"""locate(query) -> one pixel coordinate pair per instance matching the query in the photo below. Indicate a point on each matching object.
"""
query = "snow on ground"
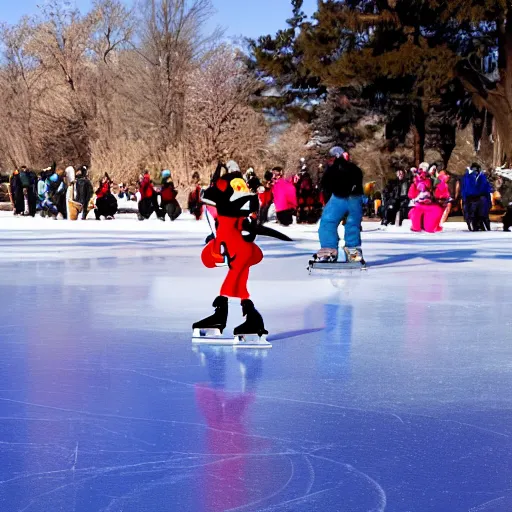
(385, 390)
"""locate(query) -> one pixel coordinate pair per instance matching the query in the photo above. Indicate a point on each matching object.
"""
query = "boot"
(354, 254)
(327, 255)
(219, 318)
(253, 321)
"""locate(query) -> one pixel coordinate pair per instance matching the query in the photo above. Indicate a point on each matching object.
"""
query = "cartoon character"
(233, 245)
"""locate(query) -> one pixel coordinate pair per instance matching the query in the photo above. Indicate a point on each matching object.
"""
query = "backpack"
(25, 180)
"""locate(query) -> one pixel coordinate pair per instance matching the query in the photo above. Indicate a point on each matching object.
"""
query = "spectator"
(106, 203)
(16, 193)
(443, 196)
(54, 188)
(305, 196)
(41, 188)
(124, 192)
(169, 204)
(396, 199)
(84, 190)
(424, 214)
(476, 197)
(265, 196)
(195, 206)
(148, 203)
(504, 187)
(28, 181)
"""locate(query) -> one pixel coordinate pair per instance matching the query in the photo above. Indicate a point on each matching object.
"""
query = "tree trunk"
(418, 130)
(503, 123)
(497, 158)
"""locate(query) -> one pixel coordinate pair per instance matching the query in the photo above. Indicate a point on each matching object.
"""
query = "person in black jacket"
(389, 202)
(28, 182)
(342, 187)
(16, 193)
(84, 190)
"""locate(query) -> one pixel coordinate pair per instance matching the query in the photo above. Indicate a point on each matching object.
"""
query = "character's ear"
(222, 185)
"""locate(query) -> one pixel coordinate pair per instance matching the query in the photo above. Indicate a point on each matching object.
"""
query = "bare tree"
(171, 44)
(60, 41)
(124, 93)
(18, 93)
(219, 121)
(288, 147)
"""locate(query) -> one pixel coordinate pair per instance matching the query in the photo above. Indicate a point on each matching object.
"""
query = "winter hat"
(413, 170)
(70, 173)
(336, 152)
(232, 166)
(423, 167)
(54, 177)
(166, 173)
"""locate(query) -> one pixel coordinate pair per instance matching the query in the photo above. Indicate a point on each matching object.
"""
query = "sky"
(249, 18)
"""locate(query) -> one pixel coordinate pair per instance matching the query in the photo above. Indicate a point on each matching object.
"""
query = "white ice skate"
(354, 255)
(353, 261)
(326, 256)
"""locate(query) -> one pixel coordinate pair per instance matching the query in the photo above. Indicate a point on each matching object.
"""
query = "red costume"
(241, 255)
(236, 209)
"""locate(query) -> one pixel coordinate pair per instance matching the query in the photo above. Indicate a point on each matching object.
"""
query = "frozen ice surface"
(385, 391)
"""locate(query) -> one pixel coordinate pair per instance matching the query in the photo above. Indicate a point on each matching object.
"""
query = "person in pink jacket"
(285, 197)
(424, 214)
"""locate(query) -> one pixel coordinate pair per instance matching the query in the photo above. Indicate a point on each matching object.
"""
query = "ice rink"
(389, 390)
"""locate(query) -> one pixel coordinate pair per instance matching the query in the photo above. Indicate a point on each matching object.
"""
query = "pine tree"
(288, 86)
(393, 46)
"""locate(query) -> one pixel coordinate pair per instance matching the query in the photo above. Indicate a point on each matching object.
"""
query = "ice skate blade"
(213, 340)
(251, 341)
(338, 267)
(243, 342)
(206, 333)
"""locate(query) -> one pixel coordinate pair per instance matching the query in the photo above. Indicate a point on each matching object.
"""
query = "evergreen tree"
(391, 46)
(424, 66)
(288, 86)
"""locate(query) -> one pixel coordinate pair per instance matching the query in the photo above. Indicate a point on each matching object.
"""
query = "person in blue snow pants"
(334, 212)
(342, 187)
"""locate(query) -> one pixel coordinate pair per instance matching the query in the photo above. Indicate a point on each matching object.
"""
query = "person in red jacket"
(169, 204)
(266, 197)
(195, 206)
(148, 198)
(106, 203)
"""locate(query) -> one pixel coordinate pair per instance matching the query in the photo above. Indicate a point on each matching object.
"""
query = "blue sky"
(239, 17)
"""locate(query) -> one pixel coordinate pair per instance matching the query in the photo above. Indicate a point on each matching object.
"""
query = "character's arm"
(217, 173)
(249, 229)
